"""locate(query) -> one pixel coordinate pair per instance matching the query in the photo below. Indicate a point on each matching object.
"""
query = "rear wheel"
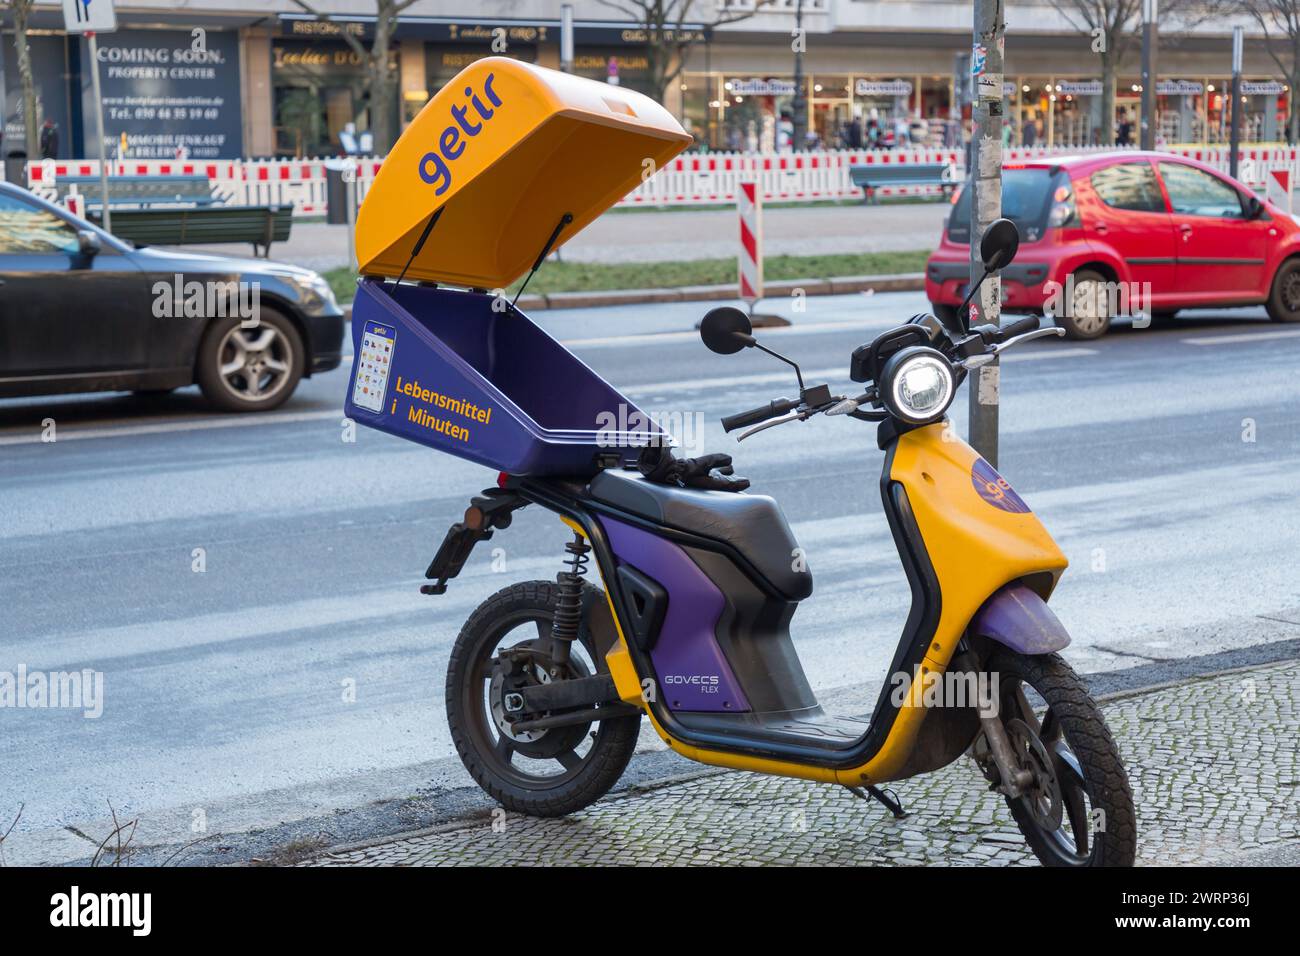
(1078, 809)
(1087, 310)
(1284, 300)
(547, 772)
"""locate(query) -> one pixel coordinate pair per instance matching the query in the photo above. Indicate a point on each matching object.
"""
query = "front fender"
(1016, 617)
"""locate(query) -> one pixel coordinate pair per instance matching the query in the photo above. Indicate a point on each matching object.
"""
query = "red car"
(1127, 233)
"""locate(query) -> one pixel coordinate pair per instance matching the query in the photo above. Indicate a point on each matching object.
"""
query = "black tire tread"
(609, 755)
(1091, 741)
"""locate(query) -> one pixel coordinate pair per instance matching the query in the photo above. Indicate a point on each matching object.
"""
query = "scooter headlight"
(917, 384)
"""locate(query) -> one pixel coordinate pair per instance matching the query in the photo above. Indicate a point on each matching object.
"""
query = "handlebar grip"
(778, 406)
(1028, 324)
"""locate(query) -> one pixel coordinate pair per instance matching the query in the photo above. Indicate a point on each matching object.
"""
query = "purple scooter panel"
(692, 673)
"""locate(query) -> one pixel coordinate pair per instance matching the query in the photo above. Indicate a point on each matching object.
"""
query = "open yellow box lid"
(501, 154)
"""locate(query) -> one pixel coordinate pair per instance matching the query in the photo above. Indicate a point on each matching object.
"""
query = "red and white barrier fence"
(696, 179)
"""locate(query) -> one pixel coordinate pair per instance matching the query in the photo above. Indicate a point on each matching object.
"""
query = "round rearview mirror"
(726, 330)
(999, 244)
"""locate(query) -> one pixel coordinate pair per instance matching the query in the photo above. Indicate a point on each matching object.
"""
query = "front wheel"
(1078, 809)
(250, 369)
(544, 773)
(1284, 298)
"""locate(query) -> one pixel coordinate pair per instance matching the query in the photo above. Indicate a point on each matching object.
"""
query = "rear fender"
(1016, 617)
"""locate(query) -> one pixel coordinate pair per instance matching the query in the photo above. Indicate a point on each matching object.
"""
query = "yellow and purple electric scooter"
(686, 621)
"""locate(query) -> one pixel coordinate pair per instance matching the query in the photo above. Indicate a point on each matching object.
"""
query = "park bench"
(870, 178)
(178, 211)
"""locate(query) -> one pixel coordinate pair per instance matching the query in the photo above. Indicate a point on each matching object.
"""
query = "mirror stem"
(792, 364)
(962, 315)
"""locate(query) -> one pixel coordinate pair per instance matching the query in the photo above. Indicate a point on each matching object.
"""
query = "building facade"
(230, 78)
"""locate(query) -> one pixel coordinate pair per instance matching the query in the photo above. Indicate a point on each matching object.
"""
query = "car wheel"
(947, 314)
(1284, 301)
(1088, 309)
(250, 369)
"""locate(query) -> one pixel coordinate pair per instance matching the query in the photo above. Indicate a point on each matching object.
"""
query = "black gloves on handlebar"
(710, 472)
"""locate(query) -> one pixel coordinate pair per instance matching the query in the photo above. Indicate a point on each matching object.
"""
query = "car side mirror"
(1254, 208)
(999, 244)
(726, 330)
(88, 245)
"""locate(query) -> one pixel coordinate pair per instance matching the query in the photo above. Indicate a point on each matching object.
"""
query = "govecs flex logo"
(435, 168)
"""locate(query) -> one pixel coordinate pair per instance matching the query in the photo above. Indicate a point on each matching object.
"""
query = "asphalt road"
(227, 691)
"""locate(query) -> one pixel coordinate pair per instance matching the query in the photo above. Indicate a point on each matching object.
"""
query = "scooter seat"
(752, 524)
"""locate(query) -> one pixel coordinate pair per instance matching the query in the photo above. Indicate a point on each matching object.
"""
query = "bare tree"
(1112, 27)
(1280, 20)
(21, 10)
(667, 26)
(381, 78)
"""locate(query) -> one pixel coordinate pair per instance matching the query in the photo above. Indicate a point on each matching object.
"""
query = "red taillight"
(502, 478)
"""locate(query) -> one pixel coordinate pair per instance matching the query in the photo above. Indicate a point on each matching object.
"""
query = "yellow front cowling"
(976, 541)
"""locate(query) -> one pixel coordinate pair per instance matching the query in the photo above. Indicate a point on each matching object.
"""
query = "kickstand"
(887, 798)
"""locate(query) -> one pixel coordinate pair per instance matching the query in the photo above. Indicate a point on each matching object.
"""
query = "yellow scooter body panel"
(978, 535)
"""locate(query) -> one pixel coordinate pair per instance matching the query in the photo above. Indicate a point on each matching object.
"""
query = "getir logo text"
(434, 165)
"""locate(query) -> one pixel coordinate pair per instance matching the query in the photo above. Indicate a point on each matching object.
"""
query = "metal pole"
(800, 118)
(1234, 137)
(566, 37)
(1150, 35)
(106, 219)
(986, 205)
(350, 194)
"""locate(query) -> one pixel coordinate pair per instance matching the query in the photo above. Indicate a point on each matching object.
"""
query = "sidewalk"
(651, 235)
(1213, 762)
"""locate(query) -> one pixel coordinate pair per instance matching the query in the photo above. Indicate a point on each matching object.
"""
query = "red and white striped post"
(749, 202)
(1277, 189)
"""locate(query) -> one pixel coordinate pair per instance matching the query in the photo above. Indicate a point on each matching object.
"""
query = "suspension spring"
(568, 604)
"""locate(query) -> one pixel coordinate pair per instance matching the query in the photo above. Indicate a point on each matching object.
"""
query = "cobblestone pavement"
(1214, 766)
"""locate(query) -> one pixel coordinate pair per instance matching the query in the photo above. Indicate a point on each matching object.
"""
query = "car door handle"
(1101, 229)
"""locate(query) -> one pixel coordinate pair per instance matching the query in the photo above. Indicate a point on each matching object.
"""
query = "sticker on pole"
(89, 16)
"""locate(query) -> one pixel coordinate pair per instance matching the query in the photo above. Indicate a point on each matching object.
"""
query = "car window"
(1129, 186)
(30, 229)
(1193, 192)
(1026, 201)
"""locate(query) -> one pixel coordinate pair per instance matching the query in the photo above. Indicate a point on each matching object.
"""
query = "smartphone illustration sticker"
(373, 362)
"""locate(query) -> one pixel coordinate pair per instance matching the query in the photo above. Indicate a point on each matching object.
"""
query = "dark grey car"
(82, 311)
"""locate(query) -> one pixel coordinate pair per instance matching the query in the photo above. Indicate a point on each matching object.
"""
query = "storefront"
(732, 112)
(1067, 110)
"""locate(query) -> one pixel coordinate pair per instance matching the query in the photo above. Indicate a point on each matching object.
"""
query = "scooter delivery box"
(506, 163)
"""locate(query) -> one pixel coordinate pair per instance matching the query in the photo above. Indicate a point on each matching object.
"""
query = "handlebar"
(1027, 324)
(778, 406)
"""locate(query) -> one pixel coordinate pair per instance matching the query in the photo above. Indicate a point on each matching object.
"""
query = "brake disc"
(1042, 798)
(538, 744)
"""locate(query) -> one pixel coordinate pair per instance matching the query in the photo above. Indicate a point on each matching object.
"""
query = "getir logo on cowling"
(435, 168)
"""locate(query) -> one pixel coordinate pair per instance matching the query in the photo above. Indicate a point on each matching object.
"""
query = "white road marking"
(187, 425)
(654, 337)
(1242, 337)
(33, 436)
